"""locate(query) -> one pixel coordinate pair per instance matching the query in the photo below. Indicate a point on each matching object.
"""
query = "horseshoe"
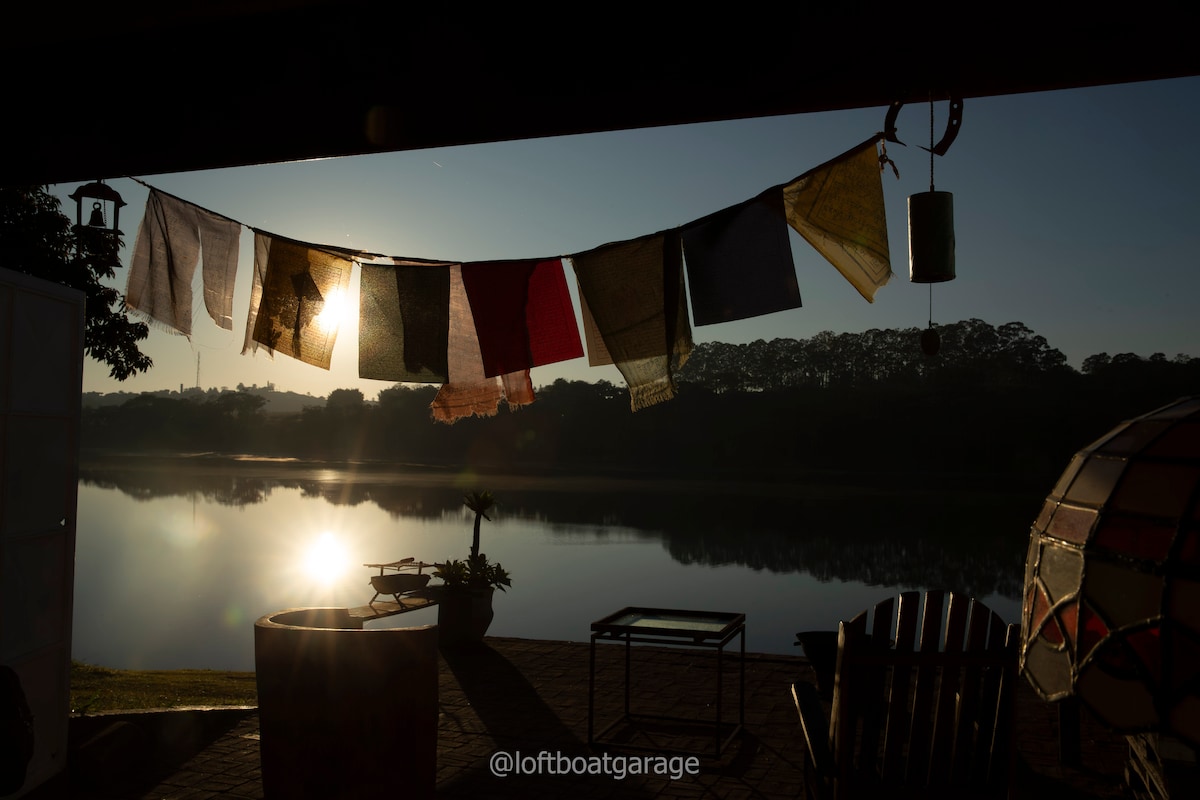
(952, 125)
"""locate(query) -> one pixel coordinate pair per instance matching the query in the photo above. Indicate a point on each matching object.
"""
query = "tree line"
(996, 401)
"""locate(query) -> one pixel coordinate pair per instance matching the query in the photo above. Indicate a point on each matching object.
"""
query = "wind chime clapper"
(930, 218)
(97, 229)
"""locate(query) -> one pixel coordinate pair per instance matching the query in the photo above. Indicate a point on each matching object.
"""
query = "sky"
(1076, 213)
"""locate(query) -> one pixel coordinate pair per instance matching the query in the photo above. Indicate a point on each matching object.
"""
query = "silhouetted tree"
(480, 503)
(347, 400)
(1096, 363)
(240, 405)
(36, 238)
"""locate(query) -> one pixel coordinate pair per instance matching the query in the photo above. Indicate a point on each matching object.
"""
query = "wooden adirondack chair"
(922, 703)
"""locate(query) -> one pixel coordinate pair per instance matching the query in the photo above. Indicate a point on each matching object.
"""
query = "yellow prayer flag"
(296, 299)
(838, 208)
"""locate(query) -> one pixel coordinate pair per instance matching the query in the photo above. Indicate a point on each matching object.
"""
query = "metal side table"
(676, 628)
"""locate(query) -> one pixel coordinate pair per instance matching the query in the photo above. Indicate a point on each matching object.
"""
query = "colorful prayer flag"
(739, 262)
(635, 312)
(523, 314)
(404, 321)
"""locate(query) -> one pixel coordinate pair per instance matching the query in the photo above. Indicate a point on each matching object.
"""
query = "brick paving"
(528, 696)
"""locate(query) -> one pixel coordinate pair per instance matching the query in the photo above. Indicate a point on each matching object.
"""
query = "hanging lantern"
(931, 237)
(101, 195)
(101, 238)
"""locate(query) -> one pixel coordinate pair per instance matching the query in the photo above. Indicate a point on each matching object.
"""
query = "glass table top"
(668, 622)
(643, 619)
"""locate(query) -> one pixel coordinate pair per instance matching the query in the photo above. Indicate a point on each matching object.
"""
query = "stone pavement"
(529, 696)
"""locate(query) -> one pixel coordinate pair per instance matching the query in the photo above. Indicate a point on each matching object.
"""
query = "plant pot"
(464, 616)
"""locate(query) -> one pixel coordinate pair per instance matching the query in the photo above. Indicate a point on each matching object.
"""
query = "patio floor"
(527, 696)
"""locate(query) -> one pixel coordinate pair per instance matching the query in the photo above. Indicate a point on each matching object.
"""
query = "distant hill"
(276, 402)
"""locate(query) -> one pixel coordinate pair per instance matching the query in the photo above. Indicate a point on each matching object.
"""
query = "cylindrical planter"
(345, 712)
(464, 616)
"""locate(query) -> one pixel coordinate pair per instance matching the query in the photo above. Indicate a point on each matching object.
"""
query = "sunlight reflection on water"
(178, 581)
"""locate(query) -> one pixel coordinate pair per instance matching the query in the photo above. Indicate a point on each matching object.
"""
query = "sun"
(335, 312)
(326, 558)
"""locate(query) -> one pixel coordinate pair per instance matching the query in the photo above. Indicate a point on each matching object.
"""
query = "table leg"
(742, 678)
(720, 691)
(591, 690)
(628, 647)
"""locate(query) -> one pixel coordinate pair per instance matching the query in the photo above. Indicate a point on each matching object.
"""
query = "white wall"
(41, 375)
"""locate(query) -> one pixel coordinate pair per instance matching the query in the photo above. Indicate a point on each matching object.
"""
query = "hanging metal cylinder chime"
(931, 237)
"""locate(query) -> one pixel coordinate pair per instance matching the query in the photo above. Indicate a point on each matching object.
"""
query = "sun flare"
(335, 312)
(326, 558)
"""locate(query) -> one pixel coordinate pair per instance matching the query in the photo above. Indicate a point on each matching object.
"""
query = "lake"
(177, 557)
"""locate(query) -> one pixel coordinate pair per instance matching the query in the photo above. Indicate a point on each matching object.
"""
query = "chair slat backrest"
(843, 725)
(921, 732)
(896, 728)
(935, 681)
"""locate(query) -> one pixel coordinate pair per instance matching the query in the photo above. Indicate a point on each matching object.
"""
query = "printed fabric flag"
(635, 313)
(404, 321)
(469, 392)
(173, 237)
(523, 314)
(838, 208)
(297, 299)
(739, 262)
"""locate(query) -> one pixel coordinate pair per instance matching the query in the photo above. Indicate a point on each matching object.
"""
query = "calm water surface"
(175, 563)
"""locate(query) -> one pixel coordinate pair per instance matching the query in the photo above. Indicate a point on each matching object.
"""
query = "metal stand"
(675, 628)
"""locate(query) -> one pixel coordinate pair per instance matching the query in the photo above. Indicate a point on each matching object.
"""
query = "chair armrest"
(815, 725)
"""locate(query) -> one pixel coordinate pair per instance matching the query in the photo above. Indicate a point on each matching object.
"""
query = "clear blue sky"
(1077, 213)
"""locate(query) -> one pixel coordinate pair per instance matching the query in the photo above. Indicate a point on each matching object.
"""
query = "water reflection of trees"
(881, 534)
(145, 485)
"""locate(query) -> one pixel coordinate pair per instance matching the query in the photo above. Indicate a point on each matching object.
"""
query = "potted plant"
(465, 595)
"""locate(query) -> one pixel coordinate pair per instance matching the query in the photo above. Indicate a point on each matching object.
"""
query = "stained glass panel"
(1068, 619)
(1184, 442)
(1133, 437)
(1095, 481)
(1148, 646)
(1183, 604)
(1188, 547)
(1043, 517)
(1048, 669)
(1158, 489)
(1072, 523)
(1041, 607)
(1121, 703)
(1120, 595)
(1185, 655)
(1060, 570)
(1092, 631)
(1134, 536)
(1068, 475)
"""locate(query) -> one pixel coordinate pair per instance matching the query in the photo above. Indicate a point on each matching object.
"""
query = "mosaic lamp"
(1111, 610)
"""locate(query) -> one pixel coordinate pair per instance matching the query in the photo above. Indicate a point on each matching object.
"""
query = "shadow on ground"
(119, 755)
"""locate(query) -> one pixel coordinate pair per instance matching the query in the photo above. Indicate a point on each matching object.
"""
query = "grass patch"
(102, 689)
